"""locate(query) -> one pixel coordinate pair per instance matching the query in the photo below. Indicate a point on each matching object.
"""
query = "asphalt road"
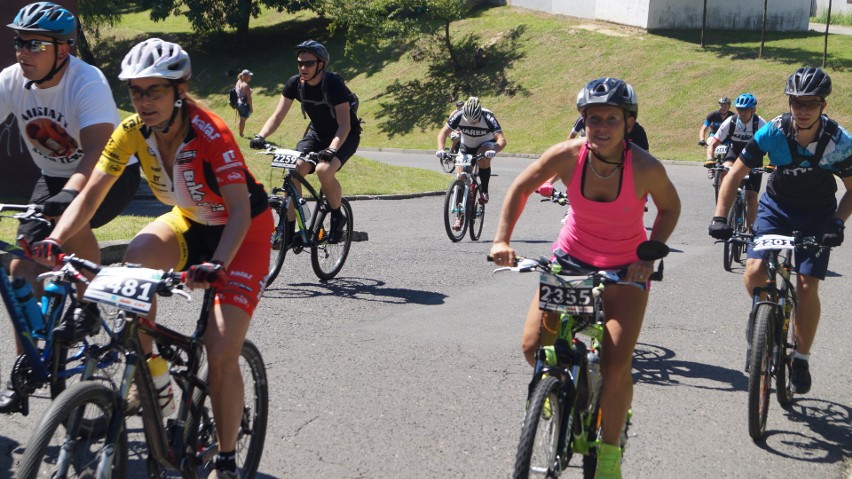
(409, 364)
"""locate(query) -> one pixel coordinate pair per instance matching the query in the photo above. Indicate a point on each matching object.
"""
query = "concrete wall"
(837, 6)
(783, 15)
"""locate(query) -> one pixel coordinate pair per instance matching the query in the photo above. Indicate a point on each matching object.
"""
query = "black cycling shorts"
(119, 196)
(312, 142)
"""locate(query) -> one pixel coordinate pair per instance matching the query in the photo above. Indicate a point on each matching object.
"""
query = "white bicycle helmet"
(156, 58)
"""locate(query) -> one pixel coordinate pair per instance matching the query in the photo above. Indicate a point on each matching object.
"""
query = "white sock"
(803, 357)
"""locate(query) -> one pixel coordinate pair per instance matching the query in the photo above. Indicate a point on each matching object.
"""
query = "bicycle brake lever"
(181, 292)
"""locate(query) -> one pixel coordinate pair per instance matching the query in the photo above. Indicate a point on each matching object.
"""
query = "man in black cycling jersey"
(334, 131)
(480, 133)
(809, 150)
(714, 120)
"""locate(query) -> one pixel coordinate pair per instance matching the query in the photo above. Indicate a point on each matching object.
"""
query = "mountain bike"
(736, 245)
(45, 362)
(185, 443)
(464, 204)
(771, 330)
(327, 258)
(560, 199)
(563, 415)
(717, 173)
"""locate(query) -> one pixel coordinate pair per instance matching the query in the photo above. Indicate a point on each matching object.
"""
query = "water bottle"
(594, 358)
(162, 384)
(306, 210)
(29, 305)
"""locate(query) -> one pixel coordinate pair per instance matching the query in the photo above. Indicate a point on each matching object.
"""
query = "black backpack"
(733, 126)
(233, 97)
(829, 131)
(353, 99)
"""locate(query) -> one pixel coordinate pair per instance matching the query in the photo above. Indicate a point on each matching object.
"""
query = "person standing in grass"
(245, 105)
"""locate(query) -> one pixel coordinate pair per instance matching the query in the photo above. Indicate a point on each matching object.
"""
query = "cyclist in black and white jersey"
(715, 119)
(480, 133)
(737, 131)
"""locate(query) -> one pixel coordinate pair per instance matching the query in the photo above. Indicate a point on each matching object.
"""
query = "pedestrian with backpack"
(243, 105)
(334, 131)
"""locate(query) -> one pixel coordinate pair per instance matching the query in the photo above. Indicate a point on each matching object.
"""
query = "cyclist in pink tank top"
(608, 182)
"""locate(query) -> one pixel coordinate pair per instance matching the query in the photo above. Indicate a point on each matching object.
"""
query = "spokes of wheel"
(476, 213)
(760, 374)
(783, 373)
(60, 447)
(327, 258)
(455, 211)
(538, 450)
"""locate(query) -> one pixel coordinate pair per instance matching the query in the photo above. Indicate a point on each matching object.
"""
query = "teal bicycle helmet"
(45, 18)
(746, 100)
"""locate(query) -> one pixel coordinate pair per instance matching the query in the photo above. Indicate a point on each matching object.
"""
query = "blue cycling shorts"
(773, 218)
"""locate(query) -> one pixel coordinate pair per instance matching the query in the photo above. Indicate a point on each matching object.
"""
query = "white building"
(783, 15)
(837, 6)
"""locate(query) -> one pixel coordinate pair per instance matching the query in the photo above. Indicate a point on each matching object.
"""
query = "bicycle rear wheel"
(252, 433)
(476, 215)
(54, 447)
(327, 259)
(538, 450)
(454, 211)
(784, 388)
(280, 237)
(760, 374)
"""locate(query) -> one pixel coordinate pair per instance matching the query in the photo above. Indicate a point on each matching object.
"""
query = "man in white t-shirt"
(66, 114)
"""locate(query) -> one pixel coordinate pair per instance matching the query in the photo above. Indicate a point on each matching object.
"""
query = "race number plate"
(574, 297)
(464, 159)
(281, 160)
(770, 242)
(130, 289)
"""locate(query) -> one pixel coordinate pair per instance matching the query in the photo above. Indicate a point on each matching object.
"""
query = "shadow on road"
(363, 289)
(829, 422)
(654, 364)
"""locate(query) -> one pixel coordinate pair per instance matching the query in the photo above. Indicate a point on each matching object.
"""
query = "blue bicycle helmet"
(45, 18)
(746, 100)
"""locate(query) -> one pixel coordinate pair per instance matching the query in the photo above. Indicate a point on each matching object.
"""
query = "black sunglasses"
(154, 92)
(32, 46)
(306, 63)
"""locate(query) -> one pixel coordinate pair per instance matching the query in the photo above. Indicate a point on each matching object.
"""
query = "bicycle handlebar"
(557, 197)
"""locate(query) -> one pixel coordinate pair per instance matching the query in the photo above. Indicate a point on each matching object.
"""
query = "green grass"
(677, 81)
(836, 18)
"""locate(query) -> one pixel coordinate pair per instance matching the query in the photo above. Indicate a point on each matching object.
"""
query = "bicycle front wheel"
(760, 374)
(280, 237)
(327, 259)
(455, 215)
(538, 450)
(57, 450)
(476, 213)
(252, 433)
(448, 164)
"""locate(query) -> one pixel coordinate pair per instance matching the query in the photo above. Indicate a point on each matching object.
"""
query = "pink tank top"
(603, 234)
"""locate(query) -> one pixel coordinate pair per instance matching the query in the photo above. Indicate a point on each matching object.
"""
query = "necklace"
(600, 176)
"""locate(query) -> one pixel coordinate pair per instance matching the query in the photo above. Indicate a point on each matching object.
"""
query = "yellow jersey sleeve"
(124, 142)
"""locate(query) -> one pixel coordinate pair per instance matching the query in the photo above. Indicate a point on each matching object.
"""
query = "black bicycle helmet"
(314, 47)
(724, 101)
(608, 91)
(46, 18)
(808, 82)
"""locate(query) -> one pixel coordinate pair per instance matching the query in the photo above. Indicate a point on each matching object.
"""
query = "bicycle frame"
(469, 174)
(292, 195)
(169, 445)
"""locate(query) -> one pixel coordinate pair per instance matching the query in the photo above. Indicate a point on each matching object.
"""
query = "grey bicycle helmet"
(472, 109)
(156, 58)
(46, 18)
(724, 101)
(314, 47)
(608, 91)
(808, 82)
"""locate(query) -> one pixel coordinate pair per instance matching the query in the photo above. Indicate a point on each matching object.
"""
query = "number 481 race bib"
(130, 289)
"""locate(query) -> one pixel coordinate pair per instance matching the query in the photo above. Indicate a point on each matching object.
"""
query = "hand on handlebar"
(834, 233)
(257, 143)
(502, 254)
(546, 189)
(720, 229)
(490, 154)
(46, 251)
(205, 274)
(441, 154)
(639, 271)
(702, 143)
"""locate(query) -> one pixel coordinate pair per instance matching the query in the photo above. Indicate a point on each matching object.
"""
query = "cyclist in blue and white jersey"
(737, 131)
(715, 119)
(808, 149)
(480, 133)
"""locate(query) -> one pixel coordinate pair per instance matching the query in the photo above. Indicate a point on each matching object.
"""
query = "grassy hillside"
(677, 82)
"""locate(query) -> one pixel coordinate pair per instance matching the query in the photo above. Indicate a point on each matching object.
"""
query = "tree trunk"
(243, 25)
(84, 52)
